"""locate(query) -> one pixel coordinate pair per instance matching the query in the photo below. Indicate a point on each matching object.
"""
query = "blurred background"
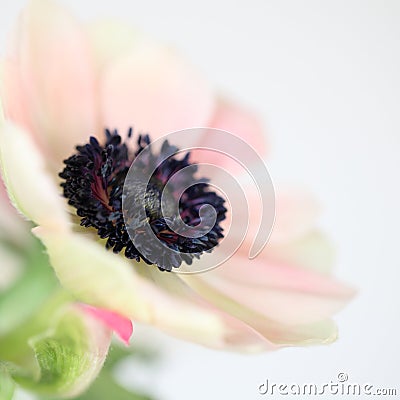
(325, 76)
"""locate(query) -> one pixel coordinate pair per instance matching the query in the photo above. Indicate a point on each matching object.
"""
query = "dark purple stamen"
(93, 183)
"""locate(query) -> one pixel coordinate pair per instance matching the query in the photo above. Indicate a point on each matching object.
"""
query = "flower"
(63, 82)
(97, 185)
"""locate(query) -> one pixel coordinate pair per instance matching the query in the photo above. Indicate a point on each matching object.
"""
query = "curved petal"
(154, 91)
(238, 335)
(312, 250)
(271, 296)
(111, 39)
(108, 281)
(12, 94)
(53, 68)
(281, 292)
(296, 213)
(30, 187)
(237, 120)
(121, 326)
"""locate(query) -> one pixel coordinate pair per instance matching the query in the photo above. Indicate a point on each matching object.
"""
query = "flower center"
(93, 182)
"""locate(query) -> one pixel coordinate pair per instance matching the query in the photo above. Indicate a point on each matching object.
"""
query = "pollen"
(93, 183)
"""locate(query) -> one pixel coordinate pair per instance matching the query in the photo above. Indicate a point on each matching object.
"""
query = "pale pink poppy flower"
(63, 82)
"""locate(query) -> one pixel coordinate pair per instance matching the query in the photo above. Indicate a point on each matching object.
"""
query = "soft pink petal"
(50, 66)
(120, 325)
(135, 291)
(13, 95)
(296, 213)
(281, 293)
(274, 332)
(156, 92)
(312, 250)
(237, 335)
(111, 39)
(239, 121)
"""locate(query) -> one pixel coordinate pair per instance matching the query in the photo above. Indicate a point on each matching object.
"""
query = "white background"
(325, 77)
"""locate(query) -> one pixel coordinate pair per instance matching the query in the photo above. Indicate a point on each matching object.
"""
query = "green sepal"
(68, 355)
(29, 293)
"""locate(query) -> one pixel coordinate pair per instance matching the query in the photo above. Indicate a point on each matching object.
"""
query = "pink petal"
(281, 293)
(143, 294)
(154, 91)
(49, 65)
(239, 121)
(13, 95)
(122, 326)
(296, 213)
(312, 250)
(111, 39)
(233, 334)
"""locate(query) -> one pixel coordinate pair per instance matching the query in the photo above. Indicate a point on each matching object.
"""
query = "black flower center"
(93, 183)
